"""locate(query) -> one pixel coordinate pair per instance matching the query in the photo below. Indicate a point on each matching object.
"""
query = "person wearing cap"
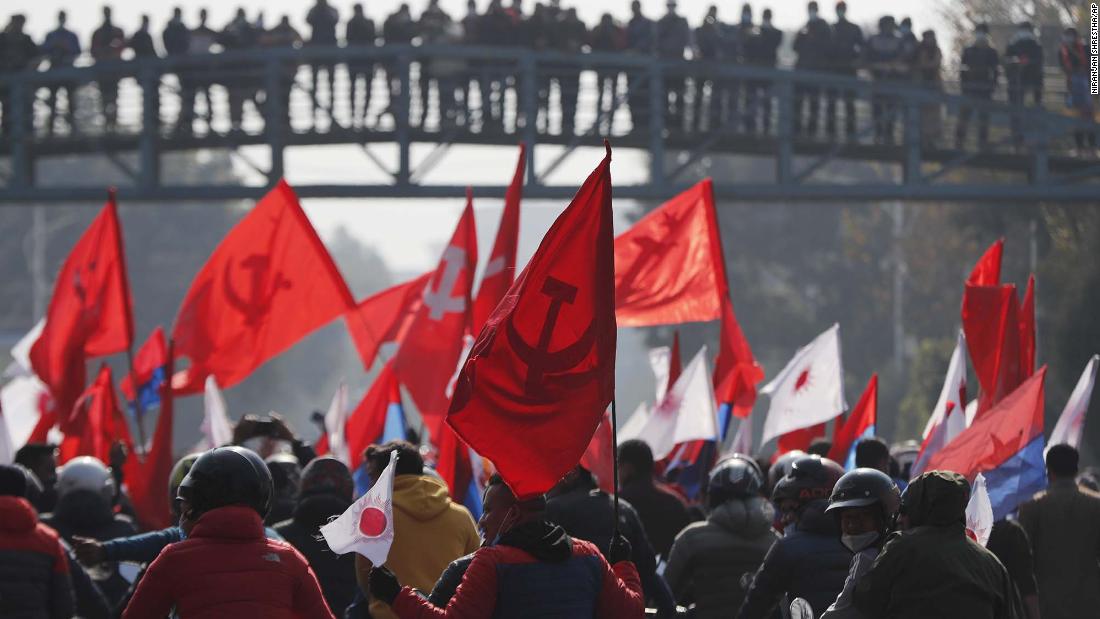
(226, 567)
(530, 567)
(708, 559)
(324, 493)
(932, 568)
(865, 503)
(1075, 58)
(809, 562)
(34, 570)
(979, 68)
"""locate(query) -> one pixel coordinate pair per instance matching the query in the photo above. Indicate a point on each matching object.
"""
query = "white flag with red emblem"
(367, 526)
(810, 390)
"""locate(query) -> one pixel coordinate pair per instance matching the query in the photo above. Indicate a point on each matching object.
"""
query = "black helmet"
(228, 476)
(782, 466)
(811, 478)
(736, 477)
(863, 487)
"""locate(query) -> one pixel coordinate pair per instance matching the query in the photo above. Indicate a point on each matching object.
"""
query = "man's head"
(841, 9)
(635, 461)
(671, 6)
(501, 510)
(13, 481)
(177, 14)
(864, 502)
(936, 498)
(357, 9)
(106, 14)
(820, 447)
(62, 17)
(906, 25)
(811, 9)
(873, 453)
(1069, 35)
(809, 482)
(40, 459)
(326, 476)
(928, 37)
(981, 34)
(886, 24)
(202, 17)
(636, 7)
(144, 22)
(1062, 462)
(409, 460)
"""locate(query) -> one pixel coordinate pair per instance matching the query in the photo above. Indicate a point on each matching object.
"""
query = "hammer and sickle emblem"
(261, 292)
(539, 359)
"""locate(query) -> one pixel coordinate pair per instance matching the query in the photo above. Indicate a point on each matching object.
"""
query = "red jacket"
(227, 568)
(619, 596)
(34, 570)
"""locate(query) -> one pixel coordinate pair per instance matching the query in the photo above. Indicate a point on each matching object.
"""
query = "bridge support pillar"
(784, 160)
(529, 105)
(911, 173)
(401, 120)
(658, 107)
(278, 118)
(22, 167)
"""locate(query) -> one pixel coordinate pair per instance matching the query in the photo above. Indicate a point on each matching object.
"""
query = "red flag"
(599, 457)
(987, 272)
(103, 422)
(551, 372)
(267, 285)
(368, 420)
(500, 271)
(798, 439)
(153, 354)
(995, 438)
(735, 371)
(427, 359)
(665, 264)
(90, 315)
(991, 325)
(383, 316)
(147, 480)
(1027, 331)
(675, 363)
(863, 416)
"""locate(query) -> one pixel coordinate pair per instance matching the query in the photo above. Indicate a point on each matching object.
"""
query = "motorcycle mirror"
(801, 609)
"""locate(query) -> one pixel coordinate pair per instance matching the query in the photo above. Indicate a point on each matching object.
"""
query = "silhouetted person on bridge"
(18, 52)
(359, 33)
(398, 29)
(1074, 58)
(142, 41)
(61, 48)
(640, 40)
(978, 72)
(844, 55)
(494, 30)
(571, 35)
(735, 93)
(176, 40)
(884, 56)
(1024, 73)
(242, 84)
(108, 42)
(927, 63)
(673, 37)
(433, 29)
(812, 44)
(283, 36)
(608, 37)
(761, 50)
(708, 48)
(322, 19)
(195, 83)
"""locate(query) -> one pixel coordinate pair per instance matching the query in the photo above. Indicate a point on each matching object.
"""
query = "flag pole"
(139, 412)
(615, 461)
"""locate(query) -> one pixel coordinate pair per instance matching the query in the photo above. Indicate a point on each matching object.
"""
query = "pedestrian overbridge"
(679, 113)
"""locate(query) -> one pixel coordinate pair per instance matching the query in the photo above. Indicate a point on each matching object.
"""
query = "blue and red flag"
(859, 425)
(1005, 445)
(377, 418)
(150, 371)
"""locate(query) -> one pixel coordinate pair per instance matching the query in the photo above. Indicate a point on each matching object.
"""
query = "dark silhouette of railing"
(448, 95)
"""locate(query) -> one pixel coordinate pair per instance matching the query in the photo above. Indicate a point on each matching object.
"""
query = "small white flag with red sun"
(367, 526)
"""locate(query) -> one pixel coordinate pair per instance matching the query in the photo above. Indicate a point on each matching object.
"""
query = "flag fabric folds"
(544, 364)
(90, 315)
(987, 271)
(384, 317)
(990, 318)
(500, 271)
(147, 476)
(268, 284)
(599, 457)
(367, 526)
(103, 422)
(860, 424)
(216, 429)
(369, 421)
(1006, 445)
(1071, 423)
(953, 392)
(979, 511)
(809, 390)
(430, 352)
(687, 412)
(1027, 330)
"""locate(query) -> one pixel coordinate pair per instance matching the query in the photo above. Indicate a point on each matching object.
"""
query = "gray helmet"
(735, 477)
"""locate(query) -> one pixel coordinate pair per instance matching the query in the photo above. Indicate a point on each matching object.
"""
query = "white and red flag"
(1072, 422)
(810, 390)
(367, 526)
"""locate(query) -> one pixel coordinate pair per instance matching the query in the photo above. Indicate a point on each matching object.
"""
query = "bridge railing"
(285, 97)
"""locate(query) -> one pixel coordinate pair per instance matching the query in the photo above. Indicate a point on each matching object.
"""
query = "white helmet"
(85, 473)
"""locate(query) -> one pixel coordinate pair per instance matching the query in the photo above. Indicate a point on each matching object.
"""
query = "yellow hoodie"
(429, 531)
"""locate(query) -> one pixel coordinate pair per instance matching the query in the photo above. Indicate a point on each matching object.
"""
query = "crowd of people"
(697, 100)
(861, 543)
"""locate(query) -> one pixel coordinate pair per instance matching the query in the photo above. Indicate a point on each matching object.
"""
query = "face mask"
(841, 13)
(981, 38)
(856, 543)
(906, 29)
(813, 14)
(767, 22)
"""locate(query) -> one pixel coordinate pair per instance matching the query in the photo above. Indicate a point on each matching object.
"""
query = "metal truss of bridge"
(450, 96)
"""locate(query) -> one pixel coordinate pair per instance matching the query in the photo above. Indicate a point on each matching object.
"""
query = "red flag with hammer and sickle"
(542, 372)
(500, 271)
(431, 350)
(267, 285)
(90, 315)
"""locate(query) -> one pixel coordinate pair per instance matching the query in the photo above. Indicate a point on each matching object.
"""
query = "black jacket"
(662, 513)
(336, 573)
(809, 563)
